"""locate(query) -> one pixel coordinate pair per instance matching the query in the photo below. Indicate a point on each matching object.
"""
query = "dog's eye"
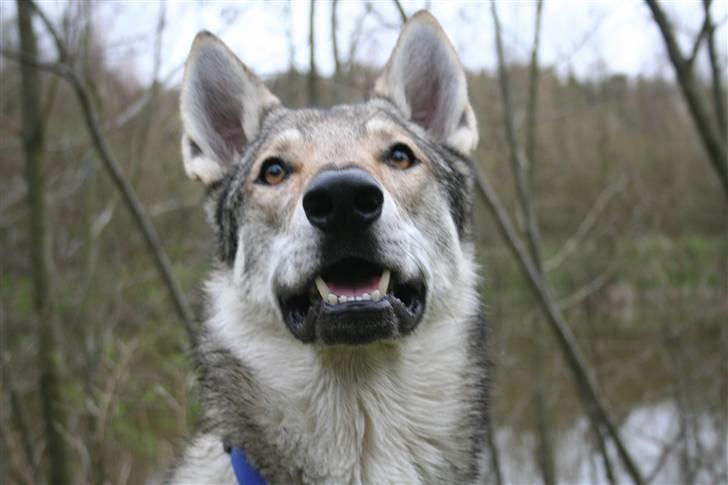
(273, 171)
(400, 156)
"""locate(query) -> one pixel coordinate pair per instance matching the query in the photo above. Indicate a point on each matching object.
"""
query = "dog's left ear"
(426, 81)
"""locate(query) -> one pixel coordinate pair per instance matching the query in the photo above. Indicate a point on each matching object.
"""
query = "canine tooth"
(376, 295)
(323, 289)
(332, 299)
(384, 282)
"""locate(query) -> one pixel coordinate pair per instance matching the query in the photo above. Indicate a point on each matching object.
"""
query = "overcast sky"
(586, 37)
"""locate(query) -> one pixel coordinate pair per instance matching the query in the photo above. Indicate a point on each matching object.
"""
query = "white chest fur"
(386, 413)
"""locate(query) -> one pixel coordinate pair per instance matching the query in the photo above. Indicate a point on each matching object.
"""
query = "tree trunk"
(40, 250)
(313, 95)
(337, 60)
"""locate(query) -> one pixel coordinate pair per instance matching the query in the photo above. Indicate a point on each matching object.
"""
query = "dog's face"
(345, 225)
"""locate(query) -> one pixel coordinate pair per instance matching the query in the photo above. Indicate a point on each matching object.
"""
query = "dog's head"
(346, 225)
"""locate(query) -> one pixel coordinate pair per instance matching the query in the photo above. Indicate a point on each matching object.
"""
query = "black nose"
(343, 201)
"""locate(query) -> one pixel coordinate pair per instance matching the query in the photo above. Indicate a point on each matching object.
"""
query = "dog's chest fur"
(398, 413)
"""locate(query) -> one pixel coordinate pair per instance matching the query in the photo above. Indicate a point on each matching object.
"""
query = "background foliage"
(620, 177)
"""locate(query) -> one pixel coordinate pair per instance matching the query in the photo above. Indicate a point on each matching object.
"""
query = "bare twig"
(400, 10)
(704, 30)
(355, 38)
(21, 423)
(591, 396)
(146, 122)
(585, 291)
(519, 161)
(594, 404)
(587, 224)
(708, 132)
(132, 202)
(63, 57)
(716, 71)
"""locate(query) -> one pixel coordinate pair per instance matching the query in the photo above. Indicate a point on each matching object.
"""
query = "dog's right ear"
(222, 105)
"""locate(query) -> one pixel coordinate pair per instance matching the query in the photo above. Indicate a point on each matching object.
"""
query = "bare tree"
(64, 68)
(40, 250)
(529, 260)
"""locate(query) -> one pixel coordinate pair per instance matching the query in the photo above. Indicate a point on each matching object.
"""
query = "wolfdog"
(343, 341)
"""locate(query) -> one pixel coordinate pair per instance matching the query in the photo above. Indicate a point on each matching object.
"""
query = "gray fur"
(411, 409)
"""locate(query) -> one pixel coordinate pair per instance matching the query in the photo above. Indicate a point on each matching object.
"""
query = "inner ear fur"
(426, 81)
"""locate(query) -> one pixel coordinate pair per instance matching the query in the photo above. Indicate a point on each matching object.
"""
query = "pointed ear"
(425, 80)
(222, 105)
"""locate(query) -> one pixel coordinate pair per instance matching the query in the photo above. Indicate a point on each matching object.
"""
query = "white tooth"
(332, 299)
(376, 295)
(342, 299)
(365, 296)
(323, 289)
(384, 282)
(358, 298)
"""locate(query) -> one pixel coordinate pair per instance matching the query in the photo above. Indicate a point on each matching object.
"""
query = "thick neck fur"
(404, 411)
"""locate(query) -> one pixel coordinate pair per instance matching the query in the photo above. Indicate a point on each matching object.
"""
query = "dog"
(344, 341)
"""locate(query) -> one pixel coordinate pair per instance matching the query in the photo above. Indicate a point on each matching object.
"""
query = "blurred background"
(602, 130)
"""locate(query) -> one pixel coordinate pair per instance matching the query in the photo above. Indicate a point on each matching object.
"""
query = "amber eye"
(400, 156)
(273, 171)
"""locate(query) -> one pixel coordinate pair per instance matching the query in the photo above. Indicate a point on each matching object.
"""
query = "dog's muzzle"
(355, 299)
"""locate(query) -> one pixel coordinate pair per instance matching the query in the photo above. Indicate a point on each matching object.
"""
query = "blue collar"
(244, 471)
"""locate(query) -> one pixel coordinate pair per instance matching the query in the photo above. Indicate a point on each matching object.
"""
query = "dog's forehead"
(335, 128)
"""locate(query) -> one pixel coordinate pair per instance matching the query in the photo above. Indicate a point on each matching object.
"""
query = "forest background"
(601, 223)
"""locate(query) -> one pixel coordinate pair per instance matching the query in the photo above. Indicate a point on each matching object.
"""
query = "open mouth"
(354, 301)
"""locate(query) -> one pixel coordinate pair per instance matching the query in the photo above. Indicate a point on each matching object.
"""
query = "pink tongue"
(354, 288)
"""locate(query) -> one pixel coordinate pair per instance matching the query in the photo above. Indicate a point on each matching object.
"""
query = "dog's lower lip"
(359, 318)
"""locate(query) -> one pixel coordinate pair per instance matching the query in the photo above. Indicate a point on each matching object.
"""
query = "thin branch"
(519, 161)
(530, 264)
(355, 38)
(712, 141)
(21, 423)
(667, 450)
(370, 8)
(533, 232)
(585, 291)
(21, 58)
(400, 10)
(63, 56)
(588, 389)
(717, 72)
(704, 30)
(132, 202)
(587, 224)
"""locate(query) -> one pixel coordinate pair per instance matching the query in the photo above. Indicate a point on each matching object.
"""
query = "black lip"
(358, 322)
